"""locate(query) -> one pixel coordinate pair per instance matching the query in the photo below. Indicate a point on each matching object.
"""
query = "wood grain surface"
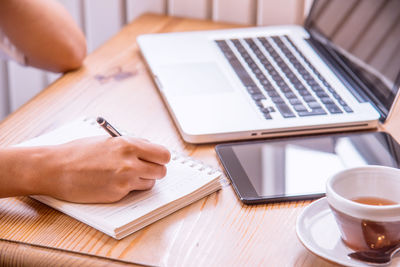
(215, 231)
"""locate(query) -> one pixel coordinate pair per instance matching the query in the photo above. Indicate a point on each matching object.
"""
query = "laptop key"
(268, 87)
(290, 95)
(327, 100)
(311, 82)
(305, 113)
(258, 96)
(267, 110)
(285, 111)
(253, 89)
(299, 108)
(322, 94)
(347, 109)
(303, 92)
(333, 109)
(309, 98)
(318, 111)
(259, 103)
(277, 100)
(314, 112)
(285, 89)
(341, 102)
(294, 101)
(267, 116)
(273, 93)
(314, 105)
(264, 81)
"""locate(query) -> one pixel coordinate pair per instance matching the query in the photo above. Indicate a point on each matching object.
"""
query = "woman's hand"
(89, 170)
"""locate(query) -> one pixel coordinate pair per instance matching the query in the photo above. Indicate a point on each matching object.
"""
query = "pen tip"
(100, 120)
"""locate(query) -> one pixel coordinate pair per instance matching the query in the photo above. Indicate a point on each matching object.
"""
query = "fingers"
(143, 184)
(151, 152)
(149, 170)
(146, 175)
(154, 153)
(147, 164)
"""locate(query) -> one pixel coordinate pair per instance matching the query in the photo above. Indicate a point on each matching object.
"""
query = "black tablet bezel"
(241, 182)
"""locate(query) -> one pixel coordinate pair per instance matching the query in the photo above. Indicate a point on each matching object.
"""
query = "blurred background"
(101, 19)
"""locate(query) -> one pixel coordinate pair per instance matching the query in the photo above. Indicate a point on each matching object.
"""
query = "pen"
(108, 127)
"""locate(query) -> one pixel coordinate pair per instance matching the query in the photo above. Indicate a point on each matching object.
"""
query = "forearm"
(23, 171)
(45, 32)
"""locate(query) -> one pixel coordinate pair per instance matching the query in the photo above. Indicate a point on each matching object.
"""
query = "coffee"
(377, 201)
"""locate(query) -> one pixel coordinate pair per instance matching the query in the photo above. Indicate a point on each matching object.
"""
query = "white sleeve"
(9, 51)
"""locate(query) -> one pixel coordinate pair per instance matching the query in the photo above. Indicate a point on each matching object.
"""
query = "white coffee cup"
(366, 226)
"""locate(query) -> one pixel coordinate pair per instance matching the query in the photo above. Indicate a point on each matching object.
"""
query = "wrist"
(40, 173)
(20, 171)
(34, 169)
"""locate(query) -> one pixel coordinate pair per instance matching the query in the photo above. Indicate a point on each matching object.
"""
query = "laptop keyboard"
(290, 87)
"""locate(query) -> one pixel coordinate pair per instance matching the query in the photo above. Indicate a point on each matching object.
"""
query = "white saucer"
(317, 230)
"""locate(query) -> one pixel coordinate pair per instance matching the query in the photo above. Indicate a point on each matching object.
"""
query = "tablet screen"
(297, 168)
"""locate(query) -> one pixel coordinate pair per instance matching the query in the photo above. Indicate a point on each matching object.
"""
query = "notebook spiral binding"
(193, 163)
(201, 166)
(181, 158)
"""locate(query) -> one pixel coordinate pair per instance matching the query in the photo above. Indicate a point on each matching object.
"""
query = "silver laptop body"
(280, 80)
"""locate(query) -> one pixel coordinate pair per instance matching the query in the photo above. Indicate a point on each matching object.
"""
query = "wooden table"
(217, 230)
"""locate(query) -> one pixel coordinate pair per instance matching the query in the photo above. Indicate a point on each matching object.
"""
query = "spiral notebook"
(187, 181)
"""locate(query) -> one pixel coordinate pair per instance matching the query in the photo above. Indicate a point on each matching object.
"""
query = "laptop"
(339, 72)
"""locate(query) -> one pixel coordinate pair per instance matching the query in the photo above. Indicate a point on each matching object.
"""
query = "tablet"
(296, 168)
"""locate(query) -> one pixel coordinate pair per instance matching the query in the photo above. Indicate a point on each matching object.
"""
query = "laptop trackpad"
(193, 78)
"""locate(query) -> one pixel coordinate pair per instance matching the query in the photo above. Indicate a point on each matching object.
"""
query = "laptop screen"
(363, 36)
